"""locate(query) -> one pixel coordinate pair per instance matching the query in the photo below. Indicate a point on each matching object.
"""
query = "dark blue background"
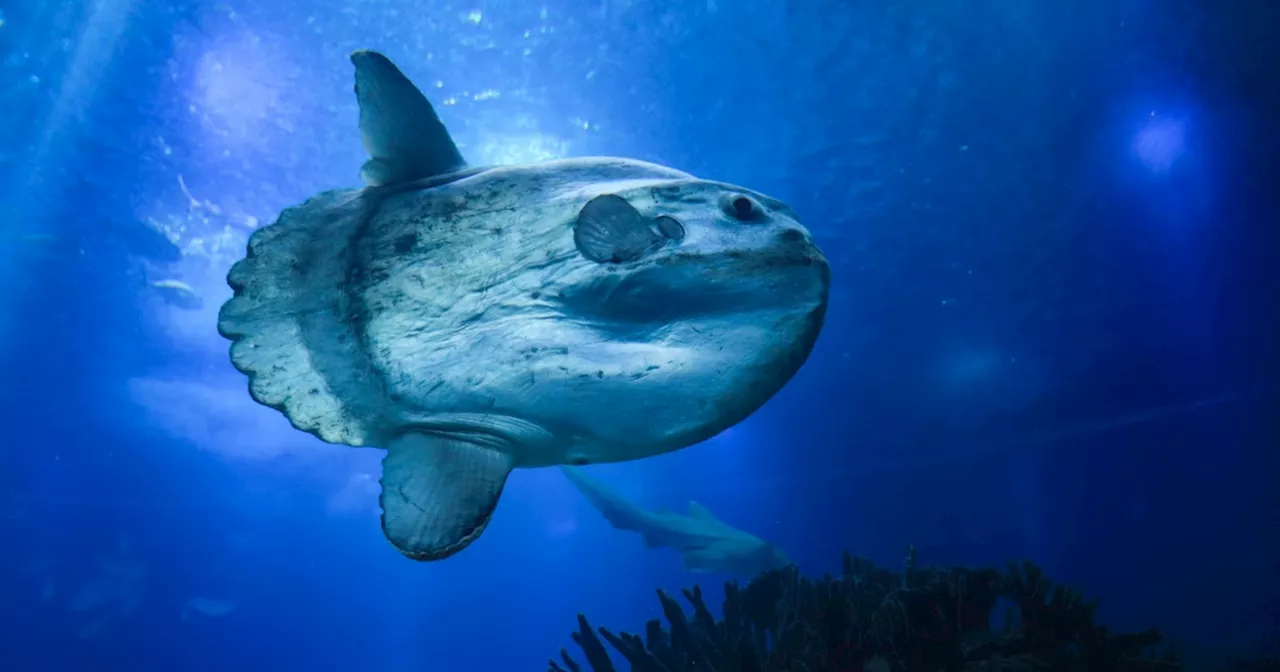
(1038, 345)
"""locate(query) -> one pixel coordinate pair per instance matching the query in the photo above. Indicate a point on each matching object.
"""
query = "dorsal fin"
(405, 139)
(700, 512)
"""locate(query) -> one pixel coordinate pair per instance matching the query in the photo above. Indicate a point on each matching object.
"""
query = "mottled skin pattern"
(464, 308)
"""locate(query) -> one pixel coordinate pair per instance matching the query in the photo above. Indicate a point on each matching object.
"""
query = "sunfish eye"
(740, 207)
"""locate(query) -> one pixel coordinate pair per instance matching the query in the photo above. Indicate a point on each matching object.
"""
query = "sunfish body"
(475, 320)
(706, 543)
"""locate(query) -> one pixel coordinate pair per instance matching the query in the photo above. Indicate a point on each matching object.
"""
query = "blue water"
(1050, 336)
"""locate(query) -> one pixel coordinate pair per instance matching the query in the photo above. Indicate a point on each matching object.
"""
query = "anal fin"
(439, 492)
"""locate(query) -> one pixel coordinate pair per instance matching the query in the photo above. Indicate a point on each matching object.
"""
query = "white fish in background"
(207, 607)
(706, 543)
(178, 293)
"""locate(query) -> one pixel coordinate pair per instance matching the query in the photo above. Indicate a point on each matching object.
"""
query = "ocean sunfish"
(474, 320)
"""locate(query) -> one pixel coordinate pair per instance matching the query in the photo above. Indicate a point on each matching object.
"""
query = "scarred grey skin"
(475, 320)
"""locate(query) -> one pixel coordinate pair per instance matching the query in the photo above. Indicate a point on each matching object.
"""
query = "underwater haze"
(1050, 335)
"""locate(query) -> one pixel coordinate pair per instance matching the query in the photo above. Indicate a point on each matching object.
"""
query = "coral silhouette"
(870, 619)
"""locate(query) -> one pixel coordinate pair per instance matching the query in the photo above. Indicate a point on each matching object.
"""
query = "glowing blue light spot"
(1159, 143)
(504, 149)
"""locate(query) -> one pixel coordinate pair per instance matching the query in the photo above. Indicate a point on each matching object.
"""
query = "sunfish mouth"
(685, 286)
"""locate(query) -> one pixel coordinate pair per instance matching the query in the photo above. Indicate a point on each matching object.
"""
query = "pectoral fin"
(610, 230)
(438, 492)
